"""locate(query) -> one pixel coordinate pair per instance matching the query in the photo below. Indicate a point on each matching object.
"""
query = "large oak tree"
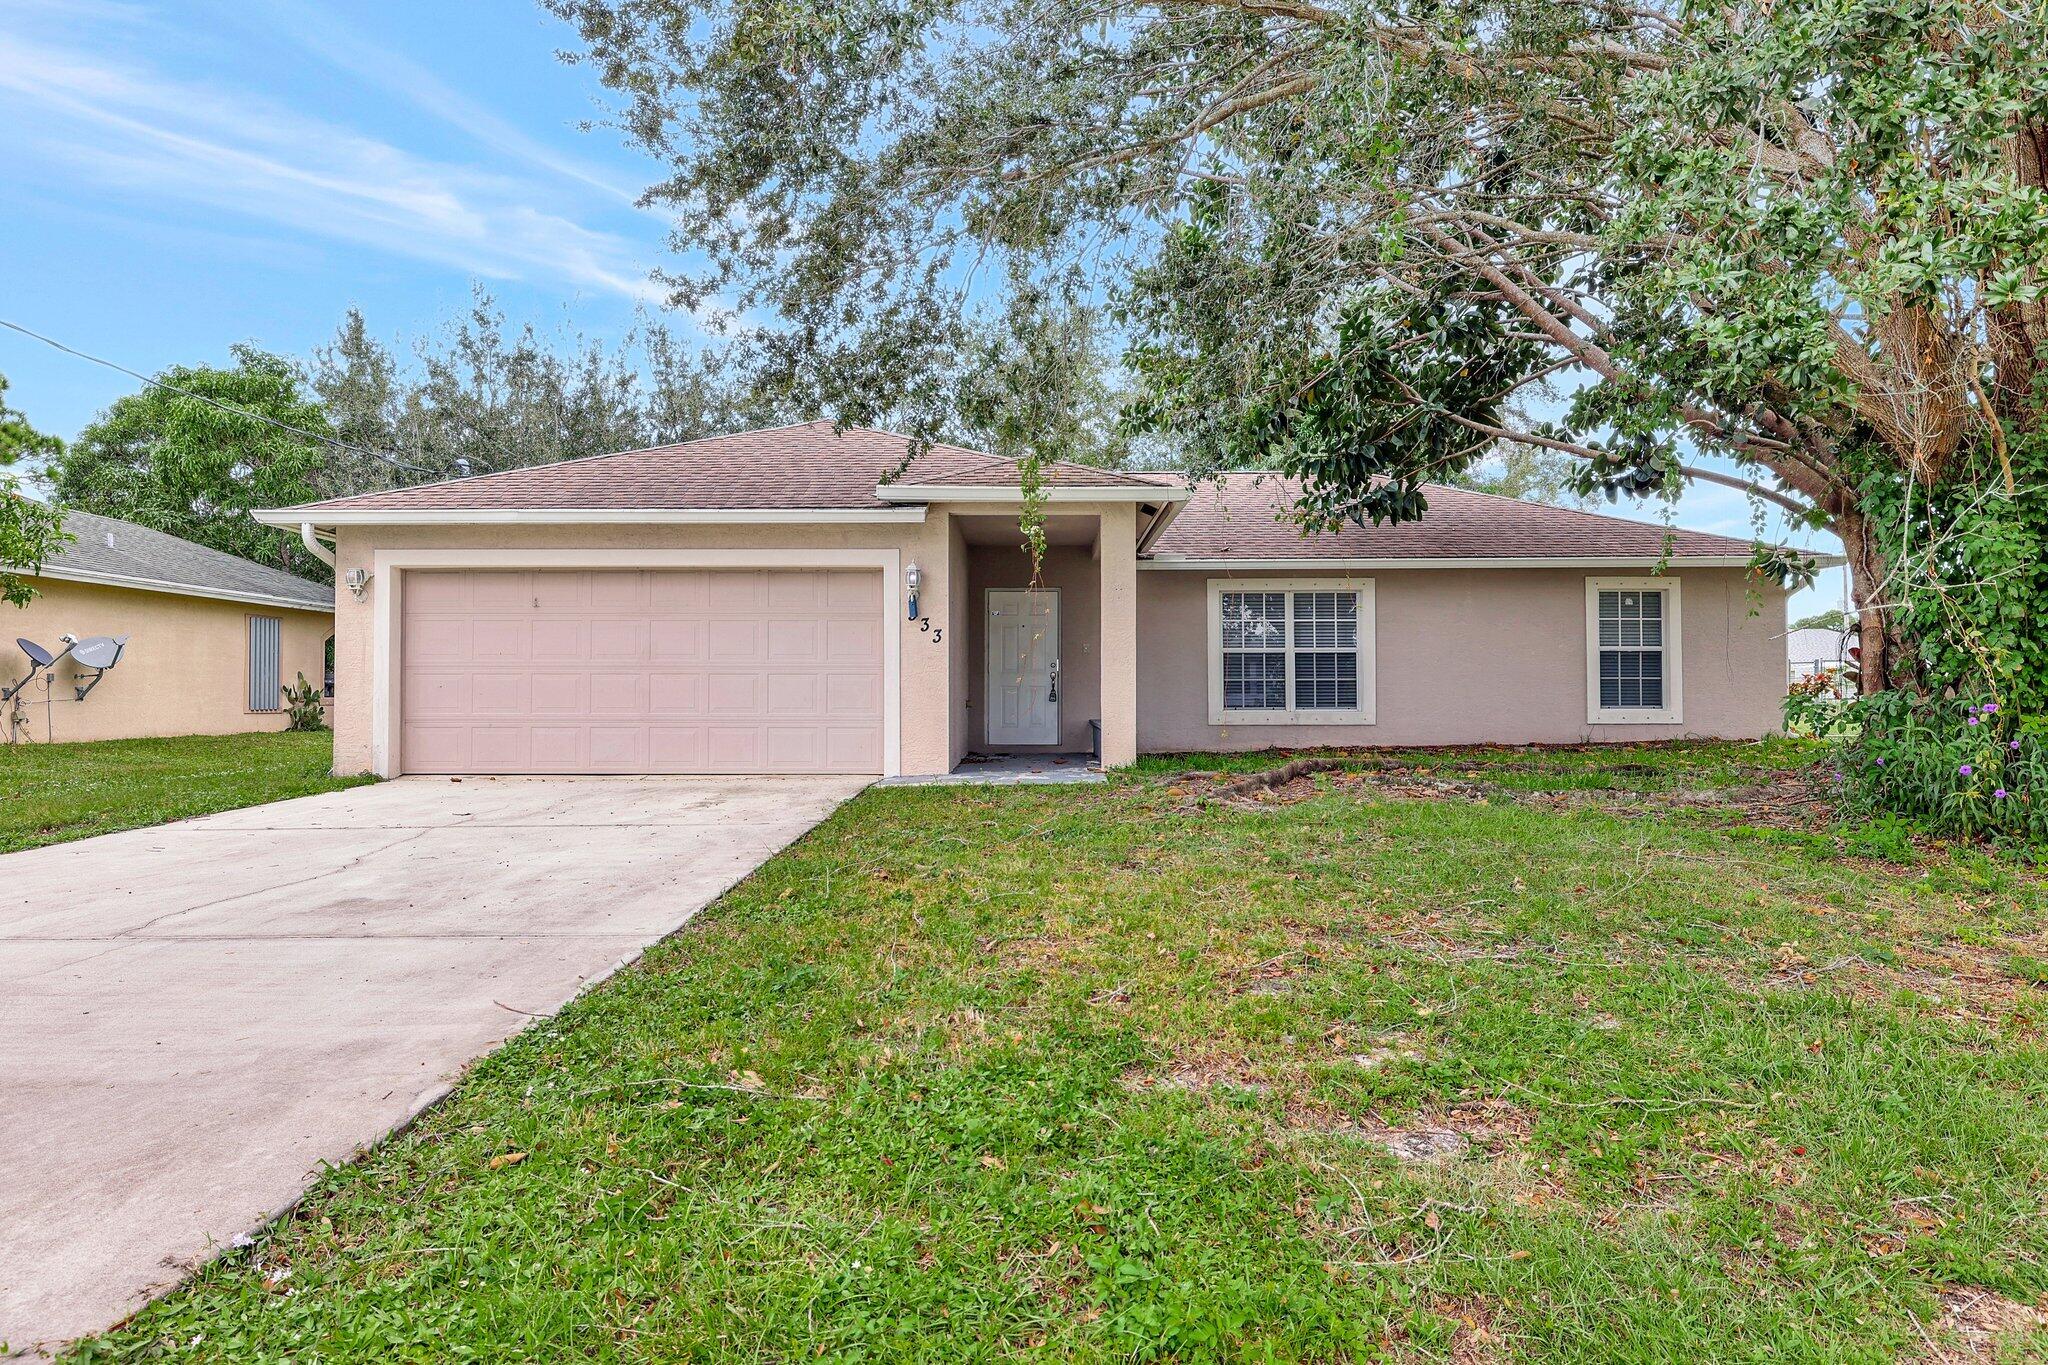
(1352, 239)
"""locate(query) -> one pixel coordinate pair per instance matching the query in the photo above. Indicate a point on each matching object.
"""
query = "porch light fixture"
(356, 581)
(913, 578)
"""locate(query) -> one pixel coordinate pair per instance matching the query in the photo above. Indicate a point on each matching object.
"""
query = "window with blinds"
(1632, 657)
(266, 663)
(1631, 650)
(1289, 652)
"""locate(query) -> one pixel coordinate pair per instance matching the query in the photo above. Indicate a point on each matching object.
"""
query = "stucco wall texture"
(185, 670)
(936, 720)
(1463, 655)
(1475, 656)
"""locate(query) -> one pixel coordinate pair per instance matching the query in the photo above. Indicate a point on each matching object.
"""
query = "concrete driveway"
(193, 1017)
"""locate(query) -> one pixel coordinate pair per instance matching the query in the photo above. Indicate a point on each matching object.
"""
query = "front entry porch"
(1034, 648)
(1010, 770)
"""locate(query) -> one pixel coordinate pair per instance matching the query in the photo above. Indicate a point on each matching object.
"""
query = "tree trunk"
(1883, 662)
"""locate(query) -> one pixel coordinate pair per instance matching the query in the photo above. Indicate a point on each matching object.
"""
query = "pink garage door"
(660, 671)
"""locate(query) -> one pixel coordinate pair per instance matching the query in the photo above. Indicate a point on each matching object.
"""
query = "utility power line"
(228, 408)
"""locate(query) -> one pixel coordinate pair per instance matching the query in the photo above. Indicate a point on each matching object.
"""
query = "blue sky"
(185, 175)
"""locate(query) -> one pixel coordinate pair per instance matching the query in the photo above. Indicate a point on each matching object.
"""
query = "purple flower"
(1990, 708)
(1966, 770)
(2014, 746)
(1880, 763)
(1999, 793)
(1973, 720)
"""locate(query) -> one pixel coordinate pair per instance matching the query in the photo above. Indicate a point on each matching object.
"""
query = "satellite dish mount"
(99, 653)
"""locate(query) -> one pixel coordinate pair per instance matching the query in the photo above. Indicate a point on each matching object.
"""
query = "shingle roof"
(1815, 643)
(808, 465)
(104, 548)
(1244, 516)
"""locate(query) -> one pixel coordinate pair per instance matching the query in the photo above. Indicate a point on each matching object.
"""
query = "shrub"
(302, 700)
(1959, 767)
(1817, 706)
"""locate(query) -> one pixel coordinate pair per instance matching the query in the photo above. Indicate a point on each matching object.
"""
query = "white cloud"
(318, 32)
(134, 129)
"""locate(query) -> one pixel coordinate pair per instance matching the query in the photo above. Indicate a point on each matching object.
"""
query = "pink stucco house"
(805, 600)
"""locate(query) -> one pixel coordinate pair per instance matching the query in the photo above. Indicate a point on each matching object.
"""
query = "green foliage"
(184, 466)
(476, 395)
(1978, 552)
(1968, 768)
(1346, 240)
(302, 701)
(1818, 706)
(29, 531)
(1834, 618)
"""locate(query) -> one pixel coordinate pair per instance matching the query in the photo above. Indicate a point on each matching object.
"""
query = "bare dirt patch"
(1975, 1324)
(1199, 1074)
(1482, 1127)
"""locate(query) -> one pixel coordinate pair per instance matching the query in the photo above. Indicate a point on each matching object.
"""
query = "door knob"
(1053, 693)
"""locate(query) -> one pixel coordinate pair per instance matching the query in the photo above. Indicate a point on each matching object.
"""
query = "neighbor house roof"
(807, 466)
(1245, 517)
(121, 554)
(1814, 644)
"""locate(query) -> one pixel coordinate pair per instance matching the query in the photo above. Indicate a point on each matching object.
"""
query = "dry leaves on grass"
(1975, 1324)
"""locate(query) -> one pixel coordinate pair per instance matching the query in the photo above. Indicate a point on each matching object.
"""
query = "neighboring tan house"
(212, 638)
(800, 600)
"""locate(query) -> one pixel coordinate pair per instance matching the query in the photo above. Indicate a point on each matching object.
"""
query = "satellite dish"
(100, 651)
(37, 655)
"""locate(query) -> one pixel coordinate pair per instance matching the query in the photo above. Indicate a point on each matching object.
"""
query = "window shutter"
(266, 663)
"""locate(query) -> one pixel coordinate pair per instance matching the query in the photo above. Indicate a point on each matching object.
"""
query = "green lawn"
(53, 792)
(1108, 1074)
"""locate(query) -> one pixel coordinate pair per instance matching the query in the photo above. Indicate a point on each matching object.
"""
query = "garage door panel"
(506, 695)
(486, 591)
(559, 592)
(502, 748)
(796, 642)
(736, 641)
(618, 592)
(676, 642)
(853, 593)
(729, 694)
(852, 748)
(618, 694)
(797, 592)
(675, 694)
(559, 642)
(677, 749)
(439, 748)
(430, 695)
(850, 695)
(618, 747)
(679, 591)
(734, 748)
(560, 694)
(853, 642)
(618, 642)
(557, 748)
(491, 640)
(641, 671)
(449, 641)
(795, 694)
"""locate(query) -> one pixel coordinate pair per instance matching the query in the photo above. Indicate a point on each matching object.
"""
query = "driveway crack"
(356, 861)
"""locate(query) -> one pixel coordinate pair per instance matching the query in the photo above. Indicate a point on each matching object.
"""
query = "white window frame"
(1673, 710)
(1367, 653)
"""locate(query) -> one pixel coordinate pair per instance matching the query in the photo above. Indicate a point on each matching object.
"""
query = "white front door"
(1023, 666)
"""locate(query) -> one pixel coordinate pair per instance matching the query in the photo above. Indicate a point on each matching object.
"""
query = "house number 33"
(924, 623)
